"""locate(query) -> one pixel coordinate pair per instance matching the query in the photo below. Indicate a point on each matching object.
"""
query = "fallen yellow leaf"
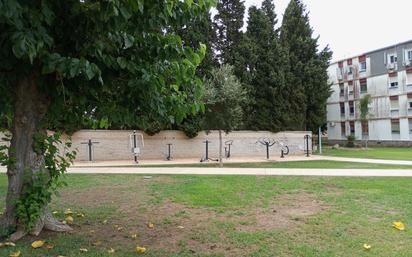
(104, 222)
(398, 225)
(55, 212)
(111, 250)
(69, 219)
(120, 228)
(68, 212)
(134, 236)
(80, 215)
(180, 227)
(37, 244)
(367, 247)
(84, 250)
(7, 244)
(150, 225)
(15, 254)
(140, 249)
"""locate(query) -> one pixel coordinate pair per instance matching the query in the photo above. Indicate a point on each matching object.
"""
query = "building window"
(392, 62)
(394, 102)
(349, 61)
(409, 95)
(342, 109)
(409, 55)
(365, 128)
(395, 126)
(352, 127)
(343, 129)
(363, 85)
(341, 89)
(393, 84)
(350, 70)
(362, 67)
(409, 77)
(393, 58)
(410, 126)
(351, 108)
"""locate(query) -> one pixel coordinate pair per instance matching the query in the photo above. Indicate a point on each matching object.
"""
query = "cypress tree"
(227, 24)
(264, 70)
(307, 88)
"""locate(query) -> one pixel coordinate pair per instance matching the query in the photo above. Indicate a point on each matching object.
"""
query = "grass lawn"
(322, 164)
(230, 216)
(387, 153)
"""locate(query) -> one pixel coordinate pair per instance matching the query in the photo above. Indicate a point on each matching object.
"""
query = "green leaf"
(122, 62)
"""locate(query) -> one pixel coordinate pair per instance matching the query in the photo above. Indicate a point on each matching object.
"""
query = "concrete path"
(247, 171)
(240, 171)
(130, 163)
(362, 160)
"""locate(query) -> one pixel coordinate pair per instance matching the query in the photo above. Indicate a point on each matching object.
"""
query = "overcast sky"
(352, 27)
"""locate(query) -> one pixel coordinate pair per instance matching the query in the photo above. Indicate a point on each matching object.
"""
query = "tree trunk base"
(47, 222)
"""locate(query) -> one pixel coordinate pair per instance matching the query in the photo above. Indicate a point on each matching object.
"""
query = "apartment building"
(384, 74)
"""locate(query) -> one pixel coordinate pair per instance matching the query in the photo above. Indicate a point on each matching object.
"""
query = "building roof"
(373, 51)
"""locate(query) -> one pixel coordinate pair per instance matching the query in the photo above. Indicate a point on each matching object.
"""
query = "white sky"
(352, 27)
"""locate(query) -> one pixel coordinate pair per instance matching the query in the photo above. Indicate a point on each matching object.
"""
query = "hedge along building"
(386, 75)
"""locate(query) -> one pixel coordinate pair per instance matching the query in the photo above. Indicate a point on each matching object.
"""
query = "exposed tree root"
(47, 222)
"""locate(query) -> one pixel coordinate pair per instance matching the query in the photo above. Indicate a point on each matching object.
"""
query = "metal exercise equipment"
(268, 142)
(284, 150)
(90, 145)
(228, 145)
(133, 139)
(306, 149)
(206, 158)
(169, 152)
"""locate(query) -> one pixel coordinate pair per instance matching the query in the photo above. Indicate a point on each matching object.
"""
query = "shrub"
(351, 141)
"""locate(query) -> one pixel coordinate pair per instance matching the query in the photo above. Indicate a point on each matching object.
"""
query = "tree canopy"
(70, 64)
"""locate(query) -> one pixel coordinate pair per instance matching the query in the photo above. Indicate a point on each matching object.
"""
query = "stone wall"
(116, 145)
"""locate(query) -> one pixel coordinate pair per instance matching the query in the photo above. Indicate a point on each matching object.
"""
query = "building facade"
(384, 74)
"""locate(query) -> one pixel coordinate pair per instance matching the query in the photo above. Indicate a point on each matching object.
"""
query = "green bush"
(351, 141)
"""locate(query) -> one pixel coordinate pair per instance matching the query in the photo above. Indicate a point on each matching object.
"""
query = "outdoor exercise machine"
(169, 152)
(268, 142)
(306, 149)
(284, 150)
(206, 158)
(228, 145)
(133, 140)
(90, 148)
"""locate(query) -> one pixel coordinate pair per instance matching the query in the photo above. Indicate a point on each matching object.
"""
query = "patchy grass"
(386, 153)
(316, 164)
(230, 216)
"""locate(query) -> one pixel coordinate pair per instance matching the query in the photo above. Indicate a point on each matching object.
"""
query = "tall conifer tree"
(264, 64)
(307, 88)
(227, 24)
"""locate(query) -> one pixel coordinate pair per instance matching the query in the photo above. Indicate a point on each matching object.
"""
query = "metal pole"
(169, 157)
(267, 150)
(207, 149)
(320, 140)
(134, 145)
(90, 149)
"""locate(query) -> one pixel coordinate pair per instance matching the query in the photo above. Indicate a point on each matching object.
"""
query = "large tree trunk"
(29, 111)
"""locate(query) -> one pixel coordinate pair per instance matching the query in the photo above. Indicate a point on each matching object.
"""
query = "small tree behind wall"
(365, 114)
(224, 96)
